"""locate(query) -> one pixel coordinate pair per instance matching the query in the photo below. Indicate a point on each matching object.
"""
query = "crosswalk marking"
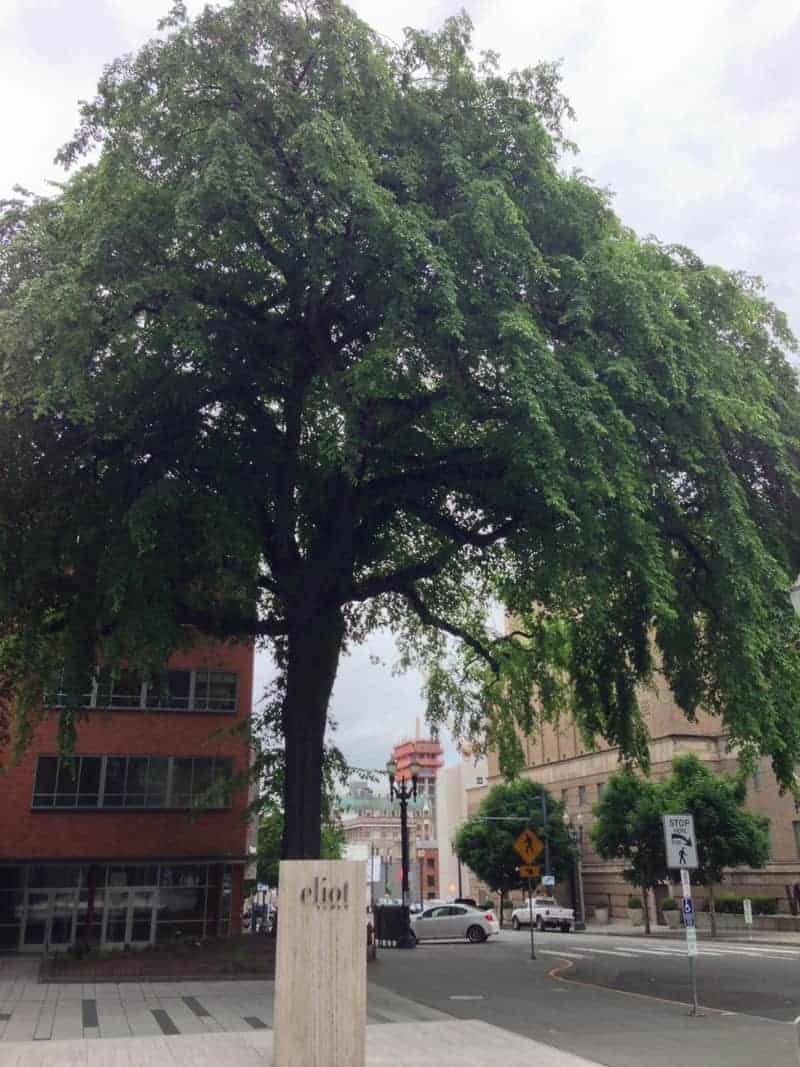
(707, 948)
(610, 952)
(562, 955)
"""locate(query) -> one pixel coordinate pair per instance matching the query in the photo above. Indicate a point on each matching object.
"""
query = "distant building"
(455, 785)
(558, 758)
(370, 821)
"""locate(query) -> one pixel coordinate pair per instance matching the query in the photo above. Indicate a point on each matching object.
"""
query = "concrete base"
(456, 1043)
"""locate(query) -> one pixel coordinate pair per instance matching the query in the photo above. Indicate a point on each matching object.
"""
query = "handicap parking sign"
(687, 908)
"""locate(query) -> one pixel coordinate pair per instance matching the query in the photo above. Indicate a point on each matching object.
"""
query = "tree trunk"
(646, 907)
(711, 910)
(314, 647)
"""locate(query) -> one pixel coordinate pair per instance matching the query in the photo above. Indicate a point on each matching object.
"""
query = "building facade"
(557, 757)
(142, 836)
(454, 787)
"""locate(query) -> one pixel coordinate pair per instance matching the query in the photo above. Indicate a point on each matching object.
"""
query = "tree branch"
(415, 601)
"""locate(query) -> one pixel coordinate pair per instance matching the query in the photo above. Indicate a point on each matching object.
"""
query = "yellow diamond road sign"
(528, 846)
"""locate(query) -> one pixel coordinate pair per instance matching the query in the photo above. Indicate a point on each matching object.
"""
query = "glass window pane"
(104, 687)
(89, 787)
(136, 782)
(201, 690)
(184, 875)
(45, 785)
(169, 690)
(67, 786)
(201, 781)
(53, 877)
(114, 789)
(127, 690)
(181, 904)
(221, 691)
(11, 877)
(181, 783)
(11, 906)
(157, 782)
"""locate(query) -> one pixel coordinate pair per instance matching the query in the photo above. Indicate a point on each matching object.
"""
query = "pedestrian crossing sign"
(680, 841)
(528, 846)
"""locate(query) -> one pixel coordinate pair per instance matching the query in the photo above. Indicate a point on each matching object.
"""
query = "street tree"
(319, 334)
(628, 825)
(727, 834)
(485, 841)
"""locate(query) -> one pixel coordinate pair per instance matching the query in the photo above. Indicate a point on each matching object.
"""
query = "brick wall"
(134, 833)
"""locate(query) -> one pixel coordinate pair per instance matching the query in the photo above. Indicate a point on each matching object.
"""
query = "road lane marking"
(467, 996)
(562, 955)
(610, 952)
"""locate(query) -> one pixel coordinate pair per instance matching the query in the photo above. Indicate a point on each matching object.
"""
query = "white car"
(454, 920)
(546, 912)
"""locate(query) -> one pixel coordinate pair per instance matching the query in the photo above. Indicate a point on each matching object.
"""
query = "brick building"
(143, 837)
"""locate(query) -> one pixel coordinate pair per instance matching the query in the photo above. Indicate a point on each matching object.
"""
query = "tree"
(727, 834)
(270, 838)
(323, 337)
(485, 842)
(628, 825)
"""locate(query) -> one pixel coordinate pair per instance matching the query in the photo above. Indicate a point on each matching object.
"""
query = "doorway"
(129, 917)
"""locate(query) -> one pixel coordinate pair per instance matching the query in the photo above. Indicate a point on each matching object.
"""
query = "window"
(600, 789)
(173, 690)
(214, 691)
(430, 862)
(581, 795)
(796, 828)
(564, 796)
(132, 782)
(122, 691)
(430, 881)
(479, 780)
(67, 783)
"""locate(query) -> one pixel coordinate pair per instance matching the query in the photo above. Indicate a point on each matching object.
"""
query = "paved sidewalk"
(449, 1043)
(764, 937)
(56, 1012)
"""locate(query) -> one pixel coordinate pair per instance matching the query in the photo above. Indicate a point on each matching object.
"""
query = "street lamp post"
(402, 792)
(576, 836)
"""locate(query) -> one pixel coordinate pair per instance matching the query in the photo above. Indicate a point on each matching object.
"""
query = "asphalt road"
(619, 1001)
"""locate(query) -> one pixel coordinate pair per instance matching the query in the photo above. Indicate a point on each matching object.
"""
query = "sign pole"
(530, 915)
(681, 847)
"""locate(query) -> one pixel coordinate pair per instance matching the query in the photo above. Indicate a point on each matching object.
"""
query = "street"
(614, 999)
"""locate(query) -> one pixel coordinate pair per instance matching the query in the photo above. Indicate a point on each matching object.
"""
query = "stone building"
(557, 757)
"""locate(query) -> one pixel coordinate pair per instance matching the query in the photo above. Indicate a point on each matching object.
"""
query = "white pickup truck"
(546, 913)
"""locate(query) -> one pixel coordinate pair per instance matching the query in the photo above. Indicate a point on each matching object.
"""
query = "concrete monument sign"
(320, 1013)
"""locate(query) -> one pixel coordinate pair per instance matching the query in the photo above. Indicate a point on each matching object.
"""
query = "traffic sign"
(686, 882)
(528, 872)
(687, 907)
(680, 841)
(748, 912)
(549, 880)
(528, 846)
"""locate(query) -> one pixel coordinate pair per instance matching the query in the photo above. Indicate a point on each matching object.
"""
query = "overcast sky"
(688, 111)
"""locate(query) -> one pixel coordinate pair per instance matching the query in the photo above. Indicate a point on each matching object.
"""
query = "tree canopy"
(485, 842)
(629, 823)
(319, 334)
